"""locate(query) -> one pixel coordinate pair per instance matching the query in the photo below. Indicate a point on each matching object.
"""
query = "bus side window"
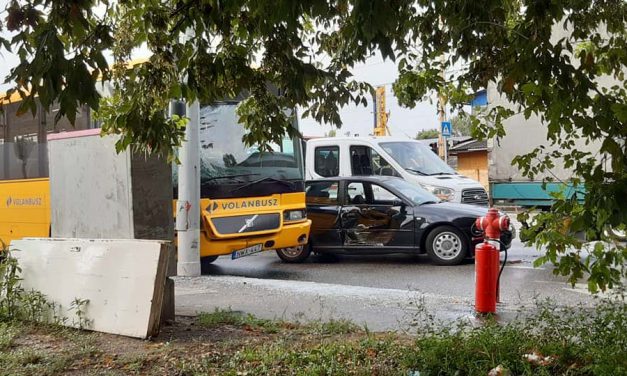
(23, 139)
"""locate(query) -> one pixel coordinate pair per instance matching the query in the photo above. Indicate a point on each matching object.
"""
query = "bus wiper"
(210, 179)
(442, 173)
(267, 178)
(416, 171)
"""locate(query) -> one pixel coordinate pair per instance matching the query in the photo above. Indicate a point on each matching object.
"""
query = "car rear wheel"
(446, 245)
(294, 254)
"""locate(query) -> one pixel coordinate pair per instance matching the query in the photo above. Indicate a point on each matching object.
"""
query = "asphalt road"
(383, 292)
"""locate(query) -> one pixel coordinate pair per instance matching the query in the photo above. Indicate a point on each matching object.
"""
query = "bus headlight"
(294, 215)
(443, 193)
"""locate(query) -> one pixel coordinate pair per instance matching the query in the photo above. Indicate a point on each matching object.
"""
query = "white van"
(392, 156)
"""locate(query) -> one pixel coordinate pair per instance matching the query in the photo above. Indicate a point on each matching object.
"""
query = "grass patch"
(332, 327)
(235, 318)
(571, 341)
(33, 362)
(369, 355)
(229, 317)
(134, 363)
(552, 342)
(8, 332)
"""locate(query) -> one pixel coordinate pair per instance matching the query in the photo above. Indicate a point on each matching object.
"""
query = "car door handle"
(350, 214)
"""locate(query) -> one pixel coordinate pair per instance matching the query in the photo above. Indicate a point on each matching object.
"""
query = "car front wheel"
(446, 245)
(294, 254)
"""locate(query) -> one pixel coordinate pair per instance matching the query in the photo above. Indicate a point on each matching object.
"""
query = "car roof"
(362, 138)
(369, 178)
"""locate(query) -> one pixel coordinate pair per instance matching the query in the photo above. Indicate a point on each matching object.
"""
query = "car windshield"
(416, 158)
(413, 192)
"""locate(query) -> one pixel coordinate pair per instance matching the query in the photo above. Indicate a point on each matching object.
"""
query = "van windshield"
(417, 158)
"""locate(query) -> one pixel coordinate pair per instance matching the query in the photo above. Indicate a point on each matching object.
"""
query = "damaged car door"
(374, 219)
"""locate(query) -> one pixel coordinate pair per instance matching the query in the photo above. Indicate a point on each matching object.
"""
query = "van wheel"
(446, 245)
(294, 254)
(205, 262)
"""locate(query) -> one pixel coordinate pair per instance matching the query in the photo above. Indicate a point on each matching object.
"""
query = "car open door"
(323, 208)
(373, 217)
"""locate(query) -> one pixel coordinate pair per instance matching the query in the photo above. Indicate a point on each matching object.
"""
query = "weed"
(230, 317)
(33, 306)
(10, 288)
(79, 306)
(419, 318)
(15, 303)
(332, 327)
(133, 363)
(7, 335)
(220, 317)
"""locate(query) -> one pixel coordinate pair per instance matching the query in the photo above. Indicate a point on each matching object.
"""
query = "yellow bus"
(250, 201)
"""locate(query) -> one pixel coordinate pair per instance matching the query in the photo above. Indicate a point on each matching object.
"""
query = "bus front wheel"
(294, 254)
(205, 262)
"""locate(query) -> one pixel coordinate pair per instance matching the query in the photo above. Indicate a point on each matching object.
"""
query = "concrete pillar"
(188, 203)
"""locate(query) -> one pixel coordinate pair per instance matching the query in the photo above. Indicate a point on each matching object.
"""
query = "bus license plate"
(247, 251)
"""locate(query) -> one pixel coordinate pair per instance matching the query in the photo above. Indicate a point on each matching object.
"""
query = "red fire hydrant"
(487, 261)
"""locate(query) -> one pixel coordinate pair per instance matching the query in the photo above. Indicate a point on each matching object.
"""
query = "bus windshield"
(224, 156)
(417, 158)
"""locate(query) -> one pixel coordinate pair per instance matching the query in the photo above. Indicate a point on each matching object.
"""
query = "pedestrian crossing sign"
(447, 130)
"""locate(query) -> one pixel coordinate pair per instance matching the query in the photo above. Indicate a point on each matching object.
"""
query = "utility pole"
(188, 202)
(442, 141)
(380, 115)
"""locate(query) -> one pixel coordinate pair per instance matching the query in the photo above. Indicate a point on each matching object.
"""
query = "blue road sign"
(447, 129)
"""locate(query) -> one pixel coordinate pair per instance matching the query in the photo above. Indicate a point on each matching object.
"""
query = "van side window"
(366, 161)
(327, 161)
(322, 193)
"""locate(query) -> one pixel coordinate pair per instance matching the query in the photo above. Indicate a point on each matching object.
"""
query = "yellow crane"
(380, 116)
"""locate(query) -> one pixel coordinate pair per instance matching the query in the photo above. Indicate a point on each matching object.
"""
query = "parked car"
(381, 214)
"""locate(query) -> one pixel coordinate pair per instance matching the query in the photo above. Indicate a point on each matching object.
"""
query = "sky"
(357, 120)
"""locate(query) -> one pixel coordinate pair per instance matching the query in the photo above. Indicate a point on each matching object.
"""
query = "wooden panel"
(475, 166)
(123, 280)
(473, 160)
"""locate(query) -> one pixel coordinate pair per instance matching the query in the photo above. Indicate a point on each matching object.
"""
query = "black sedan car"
(380, 214)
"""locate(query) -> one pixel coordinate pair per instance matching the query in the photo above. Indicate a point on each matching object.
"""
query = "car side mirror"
(387, 171)
(397, 202)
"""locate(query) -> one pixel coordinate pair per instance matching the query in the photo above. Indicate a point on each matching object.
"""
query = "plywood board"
(122, 279)
(90, 188)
